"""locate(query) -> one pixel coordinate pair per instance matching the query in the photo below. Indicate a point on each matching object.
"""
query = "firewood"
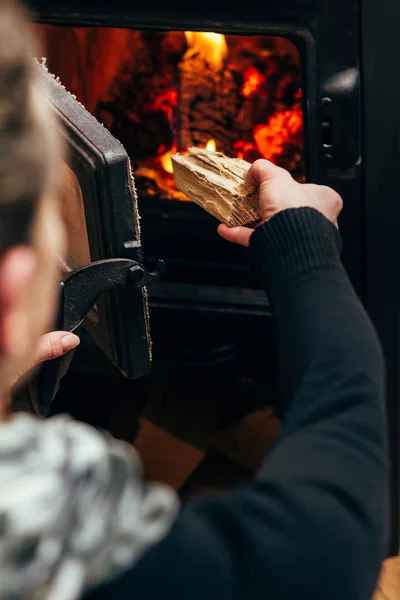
(216, 183)
(208, 103)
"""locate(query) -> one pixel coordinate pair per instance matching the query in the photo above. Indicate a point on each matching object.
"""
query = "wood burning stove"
(301, 83)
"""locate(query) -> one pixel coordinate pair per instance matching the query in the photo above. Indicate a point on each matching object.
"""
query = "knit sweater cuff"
(293, 243)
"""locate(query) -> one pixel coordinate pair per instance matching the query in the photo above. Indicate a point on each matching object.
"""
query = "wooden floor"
(389, 585)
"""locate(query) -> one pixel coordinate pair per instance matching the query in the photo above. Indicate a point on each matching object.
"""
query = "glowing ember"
(243, 149)
(166, 101)
(211, 46)
(253, 79)
(281, 128)
(211, 146)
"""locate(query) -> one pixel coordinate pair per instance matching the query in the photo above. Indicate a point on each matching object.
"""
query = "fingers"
(51, 345)
(237, 235)
(262, 170)
(55, 344)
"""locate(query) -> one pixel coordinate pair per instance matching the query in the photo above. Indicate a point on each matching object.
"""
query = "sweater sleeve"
(311, 524)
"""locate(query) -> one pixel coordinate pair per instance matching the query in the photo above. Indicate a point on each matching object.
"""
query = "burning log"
(216, 183)
(209, 93)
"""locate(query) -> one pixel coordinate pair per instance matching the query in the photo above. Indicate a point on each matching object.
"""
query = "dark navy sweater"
(311, 525)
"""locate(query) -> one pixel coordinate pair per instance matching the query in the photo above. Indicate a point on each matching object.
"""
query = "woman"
(76, 517)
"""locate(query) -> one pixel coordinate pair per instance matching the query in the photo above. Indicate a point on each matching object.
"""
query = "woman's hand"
(51, 345)
(279, 191)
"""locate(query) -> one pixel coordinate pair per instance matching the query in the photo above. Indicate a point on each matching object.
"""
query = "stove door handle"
(78, 293)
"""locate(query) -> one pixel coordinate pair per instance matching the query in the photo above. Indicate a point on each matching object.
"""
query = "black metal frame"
(102, 168)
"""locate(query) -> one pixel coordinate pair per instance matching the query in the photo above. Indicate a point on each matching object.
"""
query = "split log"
(216, 183)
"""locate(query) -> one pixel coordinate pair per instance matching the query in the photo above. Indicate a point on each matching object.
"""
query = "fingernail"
(69, 341)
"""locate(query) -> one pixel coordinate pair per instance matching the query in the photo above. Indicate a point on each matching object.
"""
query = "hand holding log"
(216, 183)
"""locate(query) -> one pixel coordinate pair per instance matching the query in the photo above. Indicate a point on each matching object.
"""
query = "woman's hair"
(29, 144)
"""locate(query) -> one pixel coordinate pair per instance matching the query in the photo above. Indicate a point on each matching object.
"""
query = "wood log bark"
(216, 183)
(208, 103)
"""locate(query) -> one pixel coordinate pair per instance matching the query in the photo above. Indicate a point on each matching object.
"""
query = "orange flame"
(211, 47)
(211, 146)
(166, 160)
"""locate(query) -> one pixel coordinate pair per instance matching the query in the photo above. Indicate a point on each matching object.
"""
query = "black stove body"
(351, 99)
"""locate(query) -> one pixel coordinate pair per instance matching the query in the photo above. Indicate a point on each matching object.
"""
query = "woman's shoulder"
(61, 439)
(67, 485)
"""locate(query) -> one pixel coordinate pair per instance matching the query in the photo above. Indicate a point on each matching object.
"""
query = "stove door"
(99, 205)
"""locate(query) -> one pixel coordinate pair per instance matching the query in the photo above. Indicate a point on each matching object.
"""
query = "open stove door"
(100, 209)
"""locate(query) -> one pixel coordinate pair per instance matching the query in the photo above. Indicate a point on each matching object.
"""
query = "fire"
(280, 129)
(211, 46)
(166, 160)
(243, 149)
(252, 80)
(251, 104)
(166, 101)
(211, 146)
